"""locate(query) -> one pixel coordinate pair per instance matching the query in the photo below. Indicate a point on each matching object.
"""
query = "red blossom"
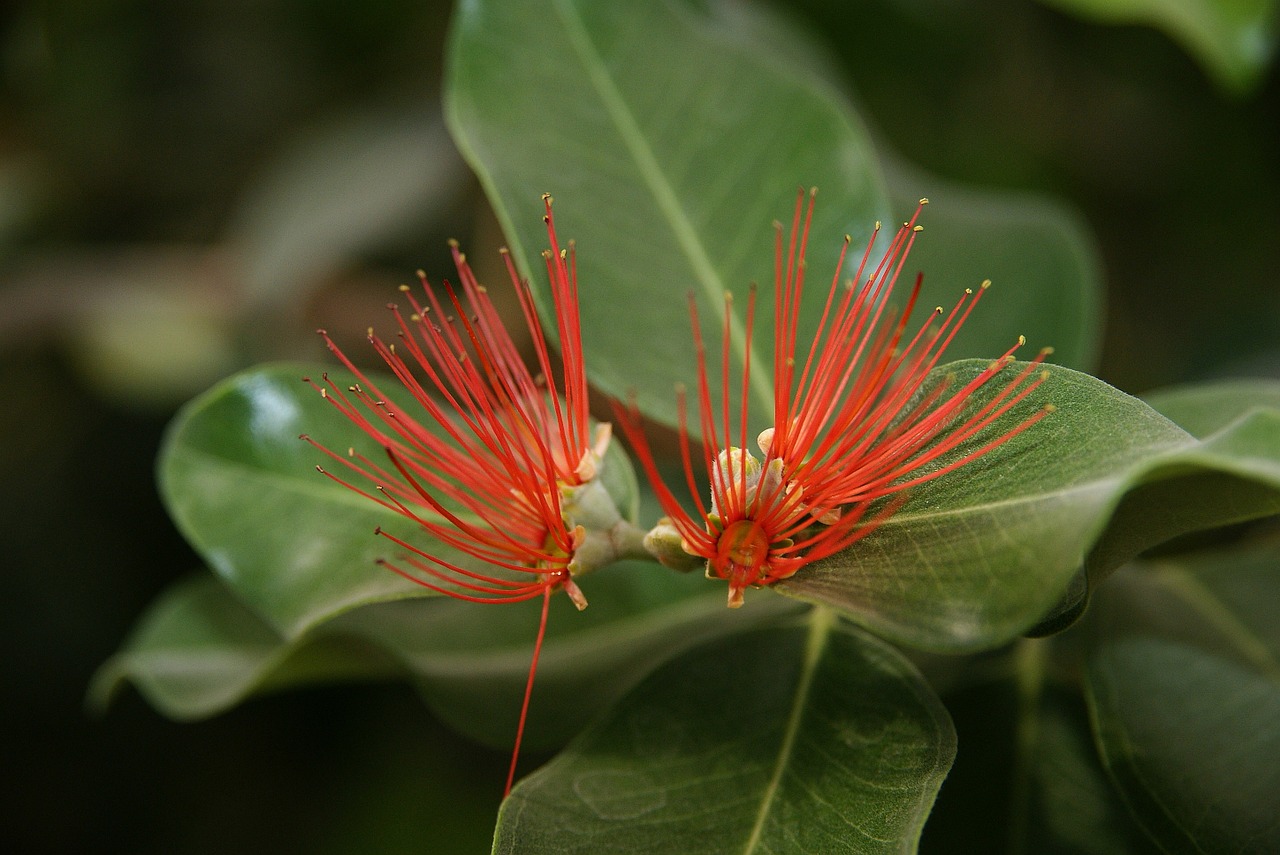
(491, 452)
(853, 421)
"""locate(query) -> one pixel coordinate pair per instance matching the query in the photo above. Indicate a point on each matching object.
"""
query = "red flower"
(853, 422)
(493, 454)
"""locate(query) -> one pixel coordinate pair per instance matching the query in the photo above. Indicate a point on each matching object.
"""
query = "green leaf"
(669, 189)
(294, 546)
(1072, 806)
(1028, 780)
(1202, 409)
(199, 651)
(984, 553)
(1039, 256)
(789, 740)
(470, 662)
(1183, 680)
(1038, 252)
(1233, 40)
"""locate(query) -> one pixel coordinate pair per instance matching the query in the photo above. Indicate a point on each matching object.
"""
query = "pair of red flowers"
(500, 466)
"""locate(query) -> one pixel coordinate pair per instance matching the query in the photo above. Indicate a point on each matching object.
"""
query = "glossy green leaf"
(1039, 256)
(1183, 678)
(294, 546)
(671, 149)
(986, 552)
(813, 738)
(1234, 40)
(198, 651)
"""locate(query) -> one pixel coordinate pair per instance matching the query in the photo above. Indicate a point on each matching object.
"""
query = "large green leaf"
(1234, 40)
(670, 148)
(294, 546)
(806, 739)
(1037, 251)
(200, 651)
(1183, 677)
(986, 552)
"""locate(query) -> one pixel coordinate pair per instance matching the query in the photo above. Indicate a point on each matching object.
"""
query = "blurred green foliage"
(148, 162)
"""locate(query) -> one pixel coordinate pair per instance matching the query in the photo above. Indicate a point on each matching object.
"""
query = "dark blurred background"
(187, 187)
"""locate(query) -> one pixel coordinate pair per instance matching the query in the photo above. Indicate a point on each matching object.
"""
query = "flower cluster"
(495, 463)
(856, 422)
(498, 464)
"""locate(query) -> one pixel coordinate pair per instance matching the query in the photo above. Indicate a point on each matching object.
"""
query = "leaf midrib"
(664, 195)
(821, 620)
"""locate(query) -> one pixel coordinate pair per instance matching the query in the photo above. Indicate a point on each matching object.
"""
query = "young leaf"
(983, 553)
(812, 738)
(1183, 680)
(669, 189)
